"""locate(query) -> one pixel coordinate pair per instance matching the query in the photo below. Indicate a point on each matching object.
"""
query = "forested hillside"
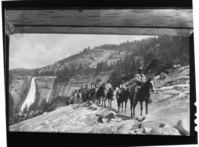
(124, 60)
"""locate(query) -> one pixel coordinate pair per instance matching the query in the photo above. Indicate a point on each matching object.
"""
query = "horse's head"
(152, 84)
(103, 86)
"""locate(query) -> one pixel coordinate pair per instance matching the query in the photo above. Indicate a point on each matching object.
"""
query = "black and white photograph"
(113, 75)
(117, 84)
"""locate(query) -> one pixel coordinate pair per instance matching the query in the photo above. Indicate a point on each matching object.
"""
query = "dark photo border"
(67, 139)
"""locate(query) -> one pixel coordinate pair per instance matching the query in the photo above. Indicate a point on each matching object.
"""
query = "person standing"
(75, 97)
(92, 86)
(79, 97)
(108, 87)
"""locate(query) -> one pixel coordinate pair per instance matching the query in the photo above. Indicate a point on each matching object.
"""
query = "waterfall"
(31, 95)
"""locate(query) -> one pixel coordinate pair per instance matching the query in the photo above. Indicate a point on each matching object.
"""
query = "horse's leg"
(134, 105)
(118, 105)
(105, 102)
(141, 108)
(111, 103)
(125, 106)
(108, 104)
(131, 109)
(146, 102)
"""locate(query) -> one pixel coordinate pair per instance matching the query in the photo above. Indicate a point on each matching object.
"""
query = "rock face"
(44, 87)
(65, 87)
(163, 75)
(49, 87)
(151, 124)
(127, 127)
(183, 127)
(165, 131)
(19, 89)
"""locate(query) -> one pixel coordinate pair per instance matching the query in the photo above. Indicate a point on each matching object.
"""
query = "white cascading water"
(31, 95)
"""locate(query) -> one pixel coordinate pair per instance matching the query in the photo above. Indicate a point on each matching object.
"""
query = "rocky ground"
(168, 114)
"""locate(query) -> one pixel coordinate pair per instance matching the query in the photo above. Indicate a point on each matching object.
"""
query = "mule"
(109, 95)
(122, 97)
(85, 95)
(141, 95)
(100, 94)
(91, 95)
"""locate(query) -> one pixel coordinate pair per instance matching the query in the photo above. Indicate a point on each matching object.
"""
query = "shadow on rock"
(124, 117)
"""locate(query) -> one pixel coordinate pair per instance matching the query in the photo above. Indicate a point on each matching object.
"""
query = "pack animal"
(109, 96)
(122, 97)
(141, 95)
(100, 94)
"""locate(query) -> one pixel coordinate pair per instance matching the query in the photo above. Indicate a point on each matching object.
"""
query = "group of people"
(139, 77)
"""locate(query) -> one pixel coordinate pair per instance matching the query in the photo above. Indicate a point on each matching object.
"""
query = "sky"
(38, 50)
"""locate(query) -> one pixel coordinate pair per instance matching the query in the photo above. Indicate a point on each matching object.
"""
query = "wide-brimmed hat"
(140, 69)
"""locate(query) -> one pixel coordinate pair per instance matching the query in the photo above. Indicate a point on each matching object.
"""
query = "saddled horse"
(122, 97)
(85, 95)
(100, 93)
(109, 95)
(141, 95)
(91, 95)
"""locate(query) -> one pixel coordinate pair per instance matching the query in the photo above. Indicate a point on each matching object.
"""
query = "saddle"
(138, 86)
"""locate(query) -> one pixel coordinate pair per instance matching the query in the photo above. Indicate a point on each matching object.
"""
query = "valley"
(163, 58)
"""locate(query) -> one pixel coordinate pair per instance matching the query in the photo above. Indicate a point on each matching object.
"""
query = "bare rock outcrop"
(128, 127)
(102, 130)
(163, 75)
(183, 127)
(165, 131)
(151, 124)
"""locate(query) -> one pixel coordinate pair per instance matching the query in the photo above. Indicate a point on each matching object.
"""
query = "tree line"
(169, 50)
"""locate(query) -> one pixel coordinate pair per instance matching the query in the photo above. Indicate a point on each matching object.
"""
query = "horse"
(91, 95)
(100, 93)
(140, 95)
(122, 97)
(109, 95)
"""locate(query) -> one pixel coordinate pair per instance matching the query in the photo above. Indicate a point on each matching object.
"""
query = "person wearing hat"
(122, 86)
(108, 85)
(79, 96)
(98, 81)
(75, 97)
(140, 79)
(92, 85)
(85, 93)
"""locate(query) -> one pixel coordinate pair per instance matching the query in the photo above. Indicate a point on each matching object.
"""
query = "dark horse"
(122, 97)
(109, 95)
(100, 93)
(91, 95)
(142, 94)
(85, 95)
